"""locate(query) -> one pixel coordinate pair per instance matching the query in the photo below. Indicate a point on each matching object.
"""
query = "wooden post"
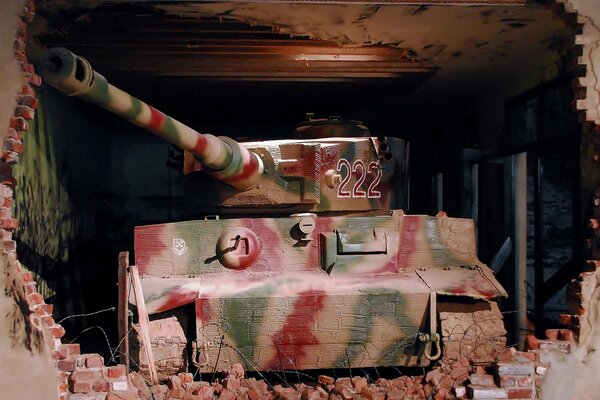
(144, 323)
(123, 308)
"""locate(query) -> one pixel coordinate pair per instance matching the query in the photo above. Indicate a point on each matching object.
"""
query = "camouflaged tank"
(337, 276)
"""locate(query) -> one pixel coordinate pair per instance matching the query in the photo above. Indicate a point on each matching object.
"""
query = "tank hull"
(356, 292)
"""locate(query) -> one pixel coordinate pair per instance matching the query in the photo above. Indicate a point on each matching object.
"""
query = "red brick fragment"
(15, 145)
(28, 90)
(24, 112)
(185, 377)
(30, 287)
(174, 382)
(48, 308)
(19, 44)
(232, 383)
(93, 360)
(12, 133)
(57, 330)
(70, 349)
(18, 123)
(28, 11)
(359, 383)
(34, 79)
(66, 365)
(35, 298)
(138, 381)
(131, 394)
(566, 334)
(27, 276)
(27, 100)
(508, 381)
(520, 393)
(551, 334)
(117, 371)
(87, 375)
(325, 380)
(532, 343)
(81, 387)
(568, 320)
(226, 394)
(9, 223)
(102, 386)
(524, 356)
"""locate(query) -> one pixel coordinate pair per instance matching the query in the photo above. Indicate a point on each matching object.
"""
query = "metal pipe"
(538, 243)
(519, 172)
(225, 159)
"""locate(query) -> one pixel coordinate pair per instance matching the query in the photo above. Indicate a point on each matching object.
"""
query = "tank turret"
(350, 172)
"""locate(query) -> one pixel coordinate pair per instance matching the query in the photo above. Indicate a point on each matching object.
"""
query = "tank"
(332, 274)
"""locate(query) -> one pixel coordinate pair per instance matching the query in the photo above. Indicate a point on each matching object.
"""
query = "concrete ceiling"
(458, 45)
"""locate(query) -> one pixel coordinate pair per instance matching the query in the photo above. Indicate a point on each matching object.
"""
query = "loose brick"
(567, 335)
(460, 392)
(102, 386)
(160, 391)
(66, 365)
(62, 376)
(394, 394)
(9, 223)
(568, 320)
(186, 377)
(25, 112)
(138, 381)
(359, 383)
(81, 387)
(117, 371)
(558, 346)
(524, 356)
(506, 355)
(119, 385)
(34, 79)
(325, 380)
(87, 375)
(434, 376)
(551, 334)
(232, 383)
(93, 360)
(29, 101)
(18, 123)
(227, 394)
(481, 379)
(486, 392)
(27, 276)
(541, 370)
(174, 382)
(459, 374)
(35, 298)
(515, 369)
(70, 349)
(123, 395)
(508, 381)
(30, 287)
(520, 393)
(253, 395)
(87, 396)
(57, 330)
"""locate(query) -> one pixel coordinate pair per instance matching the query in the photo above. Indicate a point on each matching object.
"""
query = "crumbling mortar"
(590, 47)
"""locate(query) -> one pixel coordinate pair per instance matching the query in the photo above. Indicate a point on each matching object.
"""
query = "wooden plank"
(143, 321)
(123, 308)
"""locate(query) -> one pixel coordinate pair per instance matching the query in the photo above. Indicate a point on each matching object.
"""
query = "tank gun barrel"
(224, 158)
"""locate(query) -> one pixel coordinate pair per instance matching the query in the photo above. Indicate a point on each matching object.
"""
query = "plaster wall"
(589, 15)
(26, 368)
